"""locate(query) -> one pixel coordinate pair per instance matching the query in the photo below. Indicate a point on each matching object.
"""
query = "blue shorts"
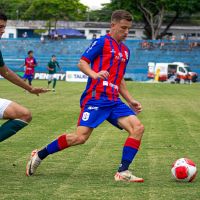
(92, 116)
(29, 77)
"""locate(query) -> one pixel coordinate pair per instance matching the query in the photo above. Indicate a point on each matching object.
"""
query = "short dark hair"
(3, 17)
(118, 15)
(53, 56)
(29, 52)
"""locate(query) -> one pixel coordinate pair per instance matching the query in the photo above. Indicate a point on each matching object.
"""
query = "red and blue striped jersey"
(105, 54)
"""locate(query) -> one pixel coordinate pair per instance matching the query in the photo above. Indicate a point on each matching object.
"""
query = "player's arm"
(59, 67)
(35, 63)
(50, 69)
(89, 56)
(86, 69)
(135, 105)
(14, 78)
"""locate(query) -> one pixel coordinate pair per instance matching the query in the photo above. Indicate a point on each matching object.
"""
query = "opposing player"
(52, 65)
(18, 116)
(30, 64)
(100, 101)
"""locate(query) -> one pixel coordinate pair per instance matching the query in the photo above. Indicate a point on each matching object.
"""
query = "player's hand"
(38, 91)
(136, 106)
(102, 75)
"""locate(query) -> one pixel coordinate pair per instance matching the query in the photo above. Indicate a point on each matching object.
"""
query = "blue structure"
(68, 53)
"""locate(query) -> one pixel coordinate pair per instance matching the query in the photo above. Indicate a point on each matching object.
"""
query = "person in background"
(52, 68)
(30, 64)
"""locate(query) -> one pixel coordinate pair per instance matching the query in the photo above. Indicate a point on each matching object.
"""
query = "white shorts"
(4, 103)
(51, 77)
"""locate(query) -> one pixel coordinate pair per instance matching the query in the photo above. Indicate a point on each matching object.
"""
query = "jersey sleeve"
(1, 60)
(35, 62)
(93, 51)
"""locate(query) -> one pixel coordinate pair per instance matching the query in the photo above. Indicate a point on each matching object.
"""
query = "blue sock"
(55, 146)
(129, 152)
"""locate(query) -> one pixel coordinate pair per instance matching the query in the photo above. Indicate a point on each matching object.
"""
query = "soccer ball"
(184, 170)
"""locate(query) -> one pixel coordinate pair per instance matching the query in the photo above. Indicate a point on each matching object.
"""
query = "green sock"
(54, 83)
(11, 127)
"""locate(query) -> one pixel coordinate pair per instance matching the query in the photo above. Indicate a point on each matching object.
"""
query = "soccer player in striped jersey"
(16, 115)
(30, 63)
(105, 63)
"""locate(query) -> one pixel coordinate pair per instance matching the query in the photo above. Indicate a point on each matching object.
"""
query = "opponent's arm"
(135, 105)
(85, 68)
(14, 78)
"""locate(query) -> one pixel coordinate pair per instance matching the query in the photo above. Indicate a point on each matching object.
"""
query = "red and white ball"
(184, 170)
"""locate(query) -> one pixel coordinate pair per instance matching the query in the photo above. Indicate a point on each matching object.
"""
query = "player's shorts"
(4, 103)
(93, 116)
(28, 76)
(51, 77)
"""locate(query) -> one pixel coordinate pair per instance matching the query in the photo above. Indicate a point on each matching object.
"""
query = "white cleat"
(128, 177)
(33, 163)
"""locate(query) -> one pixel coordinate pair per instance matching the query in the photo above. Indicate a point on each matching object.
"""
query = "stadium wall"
(69, 51)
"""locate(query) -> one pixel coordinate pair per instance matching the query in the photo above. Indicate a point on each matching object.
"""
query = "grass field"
(171, 115)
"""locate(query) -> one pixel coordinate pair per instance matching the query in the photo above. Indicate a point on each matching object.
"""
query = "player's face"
(2, 27)
(30, 55)
(120, 29)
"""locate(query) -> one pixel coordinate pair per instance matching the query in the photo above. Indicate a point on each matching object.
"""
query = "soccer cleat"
(33, 163)
(127, 176)
(53, 90)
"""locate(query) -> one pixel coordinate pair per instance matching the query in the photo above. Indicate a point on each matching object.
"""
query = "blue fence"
(68, 53)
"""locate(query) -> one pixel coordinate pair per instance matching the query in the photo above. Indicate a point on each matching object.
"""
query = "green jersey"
(52, 65)
(1, 60)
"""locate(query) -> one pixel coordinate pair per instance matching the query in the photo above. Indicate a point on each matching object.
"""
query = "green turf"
(171, 115)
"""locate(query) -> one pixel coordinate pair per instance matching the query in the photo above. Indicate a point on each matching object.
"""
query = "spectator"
(25, 35)
(42, 39)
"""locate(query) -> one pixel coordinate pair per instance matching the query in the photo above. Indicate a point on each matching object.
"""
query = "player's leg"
(30, 79)
(49, 80)
(124, 118)
(135, 129)
(80, 136)
(89, 118)
(54, 84)
(17, 115)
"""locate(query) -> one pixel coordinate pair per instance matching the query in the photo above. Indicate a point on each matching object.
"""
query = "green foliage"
(154, 12)
(44, 9)
(171, 114)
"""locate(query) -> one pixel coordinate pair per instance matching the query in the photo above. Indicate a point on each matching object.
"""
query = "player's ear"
(113, 24)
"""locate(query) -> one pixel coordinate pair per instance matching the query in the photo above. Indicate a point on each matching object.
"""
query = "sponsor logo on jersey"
(106, 83)
(93, 108)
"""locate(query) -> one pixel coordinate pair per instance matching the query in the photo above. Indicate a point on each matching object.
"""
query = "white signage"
(76, 76)
(46, 75)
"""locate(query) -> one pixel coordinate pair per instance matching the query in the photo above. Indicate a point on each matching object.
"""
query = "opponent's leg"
(30, 81)
(135, 129)
(49, 80)
(54, 84)
(18, 116)
(62, 142)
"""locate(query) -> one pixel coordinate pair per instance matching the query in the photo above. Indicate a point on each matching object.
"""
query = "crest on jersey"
(126, 54)
(85, 116)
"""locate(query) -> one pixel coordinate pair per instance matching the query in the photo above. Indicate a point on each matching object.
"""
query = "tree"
(154, 12)
(44, 9)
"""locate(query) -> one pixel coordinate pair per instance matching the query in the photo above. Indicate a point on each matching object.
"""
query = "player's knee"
(26, 115)
(137, 130)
